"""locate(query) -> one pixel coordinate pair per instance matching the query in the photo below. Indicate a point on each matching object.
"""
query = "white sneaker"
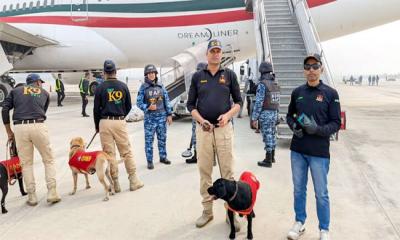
(296, 231)
(324, 235)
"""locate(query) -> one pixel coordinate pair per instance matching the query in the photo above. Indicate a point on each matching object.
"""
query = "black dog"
(4, 179)
(240, 197)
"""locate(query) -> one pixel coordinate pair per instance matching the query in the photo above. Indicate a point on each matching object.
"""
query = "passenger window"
(45, 3)
(4, 8)
(24, 5)
(17, 7)
(30, 5)
(38, 4)
(11, 7)
(52, 3)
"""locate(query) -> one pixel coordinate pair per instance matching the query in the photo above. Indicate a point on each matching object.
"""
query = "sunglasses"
(314, 66)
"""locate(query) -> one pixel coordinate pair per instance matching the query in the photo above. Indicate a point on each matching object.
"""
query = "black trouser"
(60, 97)
(84, 103)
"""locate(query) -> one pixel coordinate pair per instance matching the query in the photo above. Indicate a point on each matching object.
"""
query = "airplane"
(73, 36)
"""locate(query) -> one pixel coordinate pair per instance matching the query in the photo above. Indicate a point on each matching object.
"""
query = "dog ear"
(211, 191)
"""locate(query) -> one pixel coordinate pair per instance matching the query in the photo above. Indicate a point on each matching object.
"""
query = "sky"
(373, 51)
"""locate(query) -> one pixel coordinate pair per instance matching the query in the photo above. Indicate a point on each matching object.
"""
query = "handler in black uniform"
(112, 102)
(210, 104)
(30, 103)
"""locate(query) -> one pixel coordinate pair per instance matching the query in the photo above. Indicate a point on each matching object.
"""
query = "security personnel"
(313, 115)
(266, 111)
(153, 100)
(84, 90)
(209, 103)
(200, 66)
(112, 102)
(60, 90)
(30, 103)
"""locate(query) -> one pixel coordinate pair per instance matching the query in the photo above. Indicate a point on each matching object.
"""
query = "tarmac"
(363, 182)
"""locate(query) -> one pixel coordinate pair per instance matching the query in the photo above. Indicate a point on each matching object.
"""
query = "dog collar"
(234, 195)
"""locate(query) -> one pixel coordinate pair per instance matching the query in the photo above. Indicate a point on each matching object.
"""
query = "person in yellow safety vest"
(60, 90)
(84, 90)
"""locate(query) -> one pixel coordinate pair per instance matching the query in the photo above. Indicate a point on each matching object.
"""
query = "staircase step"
(286, 40)
(289, 74)
(287, 89)
(284, 131)
(285, 27)
(288, 66)
(292, 82)
(288, 59)
(274, 12)
(284, 99)
(289, 52)
(283, 33)
(278, 15)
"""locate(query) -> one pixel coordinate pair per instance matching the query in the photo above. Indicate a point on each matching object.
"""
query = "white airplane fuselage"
(132, 39)
(136, 32)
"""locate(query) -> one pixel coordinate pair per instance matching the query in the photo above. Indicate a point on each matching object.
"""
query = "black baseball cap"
(33, 77)
(315, 56)
(109, 66)
(214, 43)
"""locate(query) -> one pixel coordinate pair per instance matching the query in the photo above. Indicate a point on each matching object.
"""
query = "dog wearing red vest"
(240, 197)
(90, 163)
(10, 171)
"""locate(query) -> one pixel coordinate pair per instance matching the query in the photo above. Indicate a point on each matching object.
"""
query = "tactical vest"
(153, 94)
(272, 95)
(58, 85)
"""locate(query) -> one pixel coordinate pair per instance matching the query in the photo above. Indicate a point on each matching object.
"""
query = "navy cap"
(109, 66)
(315, 56)
(33, 77)
(214, 44)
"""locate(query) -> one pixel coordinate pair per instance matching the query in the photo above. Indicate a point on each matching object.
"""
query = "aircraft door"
(79, 10)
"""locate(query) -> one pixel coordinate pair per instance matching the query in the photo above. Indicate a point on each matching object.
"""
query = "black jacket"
(322, 103)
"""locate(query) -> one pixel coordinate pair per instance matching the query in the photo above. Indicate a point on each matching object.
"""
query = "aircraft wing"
(16, 44)
(14, 35)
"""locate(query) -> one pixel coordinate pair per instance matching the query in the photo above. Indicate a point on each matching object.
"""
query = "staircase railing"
(310, 36)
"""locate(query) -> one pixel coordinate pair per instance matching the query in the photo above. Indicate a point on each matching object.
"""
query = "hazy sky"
(376, 50)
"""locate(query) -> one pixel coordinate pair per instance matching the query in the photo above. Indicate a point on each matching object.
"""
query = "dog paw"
(106, 199)
(250, 236)
(4, 211)
(24, 193)
(72, 193)
(88, 186)
(232, 235)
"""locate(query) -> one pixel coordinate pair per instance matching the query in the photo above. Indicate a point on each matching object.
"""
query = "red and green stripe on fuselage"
(135, 15)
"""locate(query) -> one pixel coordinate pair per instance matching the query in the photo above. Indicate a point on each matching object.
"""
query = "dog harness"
(84, 161)
(13, 167)
(251, 180)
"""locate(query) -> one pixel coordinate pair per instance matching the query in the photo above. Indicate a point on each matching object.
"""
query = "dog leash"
(8, 148)
(91, 140)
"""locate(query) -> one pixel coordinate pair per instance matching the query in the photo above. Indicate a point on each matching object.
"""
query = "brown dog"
(89, 163)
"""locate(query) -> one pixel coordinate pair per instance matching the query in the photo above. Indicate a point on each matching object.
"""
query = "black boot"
(165, 161)
(193, 159)
(267, 162)
(273, 156)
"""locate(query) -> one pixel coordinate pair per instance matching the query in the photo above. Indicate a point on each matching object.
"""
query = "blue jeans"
(319, 172)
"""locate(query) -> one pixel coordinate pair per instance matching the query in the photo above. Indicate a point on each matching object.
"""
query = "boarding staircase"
(285, 34)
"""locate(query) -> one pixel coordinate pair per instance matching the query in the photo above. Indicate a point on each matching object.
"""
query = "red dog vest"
(84, 161)
(13, 166)
(251, 180)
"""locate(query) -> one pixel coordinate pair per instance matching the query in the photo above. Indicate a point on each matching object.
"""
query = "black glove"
(310, 126)
(297, 132)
